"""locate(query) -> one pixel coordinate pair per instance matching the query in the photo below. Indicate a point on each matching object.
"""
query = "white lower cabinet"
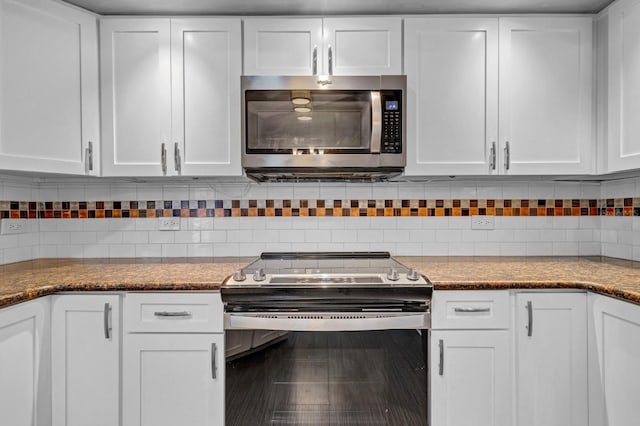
(173, 379)
(551, 359)
(614, 364)
(173, 360)
(24, 372)
(470, 378)
(85, 359)
(470, 352)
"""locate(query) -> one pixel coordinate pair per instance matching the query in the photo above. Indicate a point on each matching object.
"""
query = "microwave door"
(376, 122)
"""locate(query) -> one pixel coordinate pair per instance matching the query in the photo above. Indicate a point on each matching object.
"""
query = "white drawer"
(173, 313)
(485, 309)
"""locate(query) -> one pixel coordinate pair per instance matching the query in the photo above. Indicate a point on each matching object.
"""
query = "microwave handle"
(376, 122)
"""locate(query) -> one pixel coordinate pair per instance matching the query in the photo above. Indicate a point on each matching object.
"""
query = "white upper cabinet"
(623, 135)
(206, 66)
(333, 46)
(49, 113)
(452, 80)
(499, 96)
(170, 96)
(362, 46)
(136, 96)
(546, 91)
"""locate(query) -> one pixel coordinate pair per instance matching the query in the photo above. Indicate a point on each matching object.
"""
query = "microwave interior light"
(302, 109)
(300, 97)
(304, 117)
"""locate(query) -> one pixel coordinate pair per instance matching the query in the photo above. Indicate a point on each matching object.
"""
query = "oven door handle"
(376, 122)
(324, 322)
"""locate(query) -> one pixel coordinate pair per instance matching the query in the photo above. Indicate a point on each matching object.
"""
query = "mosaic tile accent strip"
(318, 208)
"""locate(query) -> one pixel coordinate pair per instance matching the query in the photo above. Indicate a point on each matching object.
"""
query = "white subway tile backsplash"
(291, 236)
(461, 249)
(539, 248)
(317, 236)
(186, 237)
(161, 237)
(109, 237)
(343, 236)
(448, 235)
(513, 249)
(135, 237)
(122, 250)
(83, 237)
(174, 250)
(331, 223)
(148, 250)
(369, 236)
(200, 250)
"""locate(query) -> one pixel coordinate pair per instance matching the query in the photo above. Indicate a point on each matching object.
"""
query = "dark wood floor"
(331, 378)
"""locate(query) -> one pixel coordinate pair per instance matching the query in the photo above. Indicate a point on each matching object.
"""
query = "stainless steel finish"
(441, 364)
(470, 310)
(330, 56)
(239, 275)
(529, 319)
(507, 155)
(393, 275)
(361, 167)
(376, 122)
(413, 275)
(172, 314)
(314, 66)
(324, 279)
(107, 321)
(326, 321)
(163, 158)
(88, 157)
(259, 275)
(492, 156)
(214, 366)
(177, 159)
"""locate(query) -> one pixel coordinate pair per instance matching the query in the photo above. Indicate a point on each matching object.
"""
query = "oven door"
(332, 378)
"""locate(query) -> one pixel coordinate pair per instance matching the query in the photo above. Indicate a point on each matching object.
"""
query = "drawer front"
(173, 312)
(470, 309)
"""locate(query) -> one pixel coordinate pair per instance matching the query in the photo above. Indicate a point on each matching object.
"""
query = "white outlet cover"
(13, 226)
(482, 222)
(169, 224)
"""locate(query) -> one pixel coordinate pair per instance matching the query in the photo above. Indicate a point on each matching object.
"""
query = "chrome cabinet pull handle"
(172, 314)
(214, 367)
(469, 309)
(330, 55)
(314, 66)
(492, 157)
(107, 321)
(163, 158)
(530, 319)
(507, 155)
(88, 157)
(177, 160)
(441, 366)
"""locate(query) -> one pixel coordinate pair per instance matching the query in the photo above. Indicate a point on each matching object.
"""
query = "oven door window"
(308, 122)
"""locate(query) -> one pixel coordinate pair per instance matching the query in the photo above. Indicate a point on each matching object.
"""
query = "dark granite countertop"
(27, 280)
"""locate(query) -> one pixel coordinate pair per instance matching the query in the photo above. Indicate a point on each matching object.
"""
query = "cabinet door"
(206, 67)
(173, 379)
(23, 363)
(614, 386)
(551, 358)
(362, 46)
(546, 90)
(136, 96)
(85, 332)
(452, 79)
(48, 87)
(623, 137)
(282, 46)
(470, 378)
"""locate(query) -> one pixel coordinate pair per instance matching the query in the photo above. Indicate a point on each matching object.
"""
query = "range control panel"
(391, 123)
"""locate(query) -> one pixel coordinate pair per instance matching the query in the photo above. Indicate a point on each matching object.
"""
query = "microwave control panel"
(391, 123)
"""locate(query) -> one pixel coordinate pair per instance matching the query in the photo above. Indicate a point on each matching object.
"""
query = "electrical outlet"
(13, 226)
(169, 224)
(482, 222)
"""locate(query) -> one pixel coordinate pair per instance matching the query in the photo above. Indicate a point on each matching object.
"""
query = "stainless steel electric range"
(327, 292)
(355, 349)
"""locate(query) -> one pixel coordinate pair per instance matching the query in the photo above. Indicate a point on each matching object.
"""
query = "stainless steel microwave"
(323, 128)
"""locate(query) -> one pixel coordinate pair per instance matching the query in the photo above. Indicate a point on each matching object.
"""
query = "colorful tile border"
(318, 208)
